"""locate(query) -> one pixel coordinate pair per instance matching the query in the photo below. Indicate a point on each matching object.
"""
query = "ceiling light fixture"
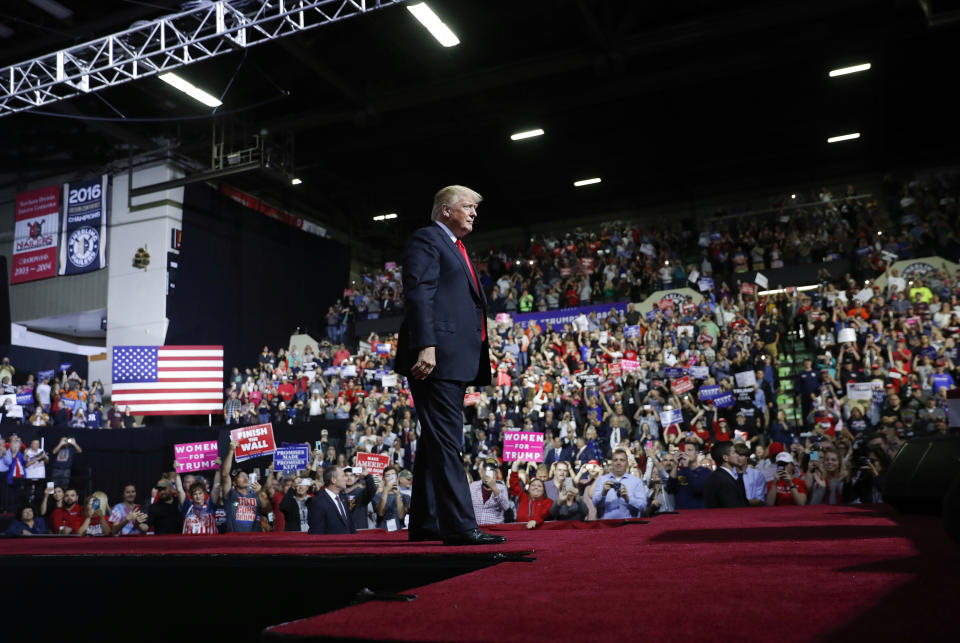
(843, 71)
(843, 137)
(583, 182)
(190, 90)
(295, 181)
(434, 25)
(385, 217)
(519, 136)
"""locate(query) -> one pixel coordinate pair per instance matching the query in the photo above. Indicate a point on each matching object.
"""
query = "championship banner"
(524, 446)
(35, 235)
(83, 240)
(373, 463)
(253, 441)
(292, 458)
(196, 456)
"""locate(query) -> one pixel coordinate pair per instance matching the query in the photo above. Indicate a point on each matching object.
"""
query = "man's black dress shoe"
(473, 537)
(422, 535)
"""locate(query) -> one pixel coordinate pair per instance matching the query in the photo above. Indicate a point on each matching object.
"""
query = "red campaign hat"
(592, 462)
(775, 448)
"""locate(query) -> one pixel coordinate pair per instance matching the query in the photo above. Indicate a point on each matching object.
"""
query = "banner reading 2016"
(83, 241)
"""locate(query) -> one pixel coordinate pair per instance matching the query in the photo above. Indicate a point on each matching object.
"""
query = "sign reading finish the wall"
(35, 235)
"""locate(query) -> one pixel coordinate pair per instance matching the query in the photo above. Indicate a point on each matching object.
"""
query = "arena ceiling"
(662, 100)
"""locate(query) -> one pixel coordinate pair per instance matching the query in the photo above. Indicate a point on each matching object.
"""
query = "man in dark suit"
(724, 488)
(327, 513)
(557, 452)
(442, 349)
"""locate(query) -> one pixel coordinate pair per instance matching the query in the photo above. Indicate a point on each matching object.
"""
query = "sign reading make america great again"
(83, 240)
(35, 235)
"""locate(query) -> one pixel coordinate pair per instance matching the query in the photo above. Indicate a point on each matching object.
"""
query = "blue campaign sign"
(291, 458)
(673, 416)
(65, 366)
(631, 331)
(723, 401)
(673, 372)
(24, 399)
(708, 392)
(651, 314)
(46, 375)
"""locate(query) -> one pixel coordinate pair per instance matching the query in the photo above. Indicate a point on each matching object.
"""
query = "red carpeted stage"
(778, 574)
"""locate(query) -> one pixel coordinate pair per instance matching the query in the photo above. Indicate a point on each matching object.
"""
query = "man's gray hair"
(449, 196)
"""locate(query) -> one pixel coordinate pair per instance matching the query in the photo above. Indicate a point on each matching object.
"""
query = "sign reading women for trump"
(253, 441)
(83, 238)
(525, 446)
(196, 456)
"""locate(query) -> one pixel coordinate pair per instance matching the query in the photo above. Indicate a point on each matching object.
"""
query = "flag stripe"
(205, 407)
(136, 396)
(173, 386)
(190, 363)
(205, 374)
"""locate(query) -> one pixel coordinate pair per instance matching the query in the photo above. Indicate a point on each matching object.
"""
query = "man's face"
(70, 498)
(339, 478)
(129, 494)
(241, 482)
(35, 445)
(669, 462)
(350, 478)
(459, 217)
(619, 464)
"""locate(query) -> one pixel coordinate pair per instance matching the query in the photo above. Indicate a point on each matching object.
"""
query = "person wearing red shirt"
(533, 506)
(68, 518)
(286, 390)
(786, 488)
(95, 521)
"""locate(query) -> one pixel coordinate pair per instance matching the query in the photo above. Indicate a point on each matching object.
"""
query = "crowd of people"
(638, 411)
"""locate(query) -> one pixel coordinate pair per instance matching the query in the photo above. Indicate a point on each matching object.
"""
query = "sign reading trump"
(196, 456)
(524, 446)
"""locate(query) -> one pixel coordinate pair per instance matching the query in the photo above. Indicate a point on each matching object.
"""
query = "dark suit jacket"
(444, 309)
(550, 455)
(324, 517)
(722, 491)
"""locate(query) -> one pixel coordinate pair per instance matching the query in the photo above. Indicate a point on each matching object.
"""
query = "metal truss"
(166, 43)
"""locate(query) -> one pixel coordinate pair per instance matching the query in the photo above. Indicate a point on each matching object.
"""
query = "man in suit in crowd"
(557, 452)
(724, 488)
(327, 514)
(442, 349)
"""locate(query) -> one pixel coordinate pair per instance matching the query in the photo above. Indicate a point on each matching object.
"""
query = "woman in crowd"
(825, 478)
(786, 488)
(96, 522)
(533, 507)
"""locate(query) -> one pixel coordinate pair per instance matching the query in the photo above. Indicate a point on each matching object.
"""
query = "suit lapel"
(451, 247)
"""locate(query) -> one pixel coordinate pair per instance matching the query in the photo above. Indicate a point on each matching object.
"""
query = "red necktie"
(463, 251)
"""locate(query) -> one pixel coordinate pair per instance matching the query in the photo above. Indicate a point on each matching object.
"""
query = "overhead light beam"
(519, 136)
(190, 90)
(853, 69)
(434, 25)
(583, 182)
(843, 137)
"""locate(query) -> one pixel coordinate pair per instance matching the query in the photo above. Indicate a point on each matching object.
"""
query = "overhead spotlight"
(295, 181)
(392, 215)
(583, 182)
(793, 196)
(380, 217)
(843, 71)
(519, 136)
(843, 137)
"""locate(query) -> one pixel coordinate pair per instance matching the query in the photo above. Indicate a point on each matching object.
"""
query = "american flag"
(168, 380)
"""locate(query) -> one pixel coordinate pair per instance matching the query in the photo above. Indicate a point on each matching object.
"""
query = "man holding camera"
(618, 494)
(490, 498)
(360, 490)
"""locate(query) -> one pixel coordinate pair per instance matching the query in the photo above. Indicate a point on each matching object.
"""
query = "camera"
(781, 466)
(96, 504)
(616, 487)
